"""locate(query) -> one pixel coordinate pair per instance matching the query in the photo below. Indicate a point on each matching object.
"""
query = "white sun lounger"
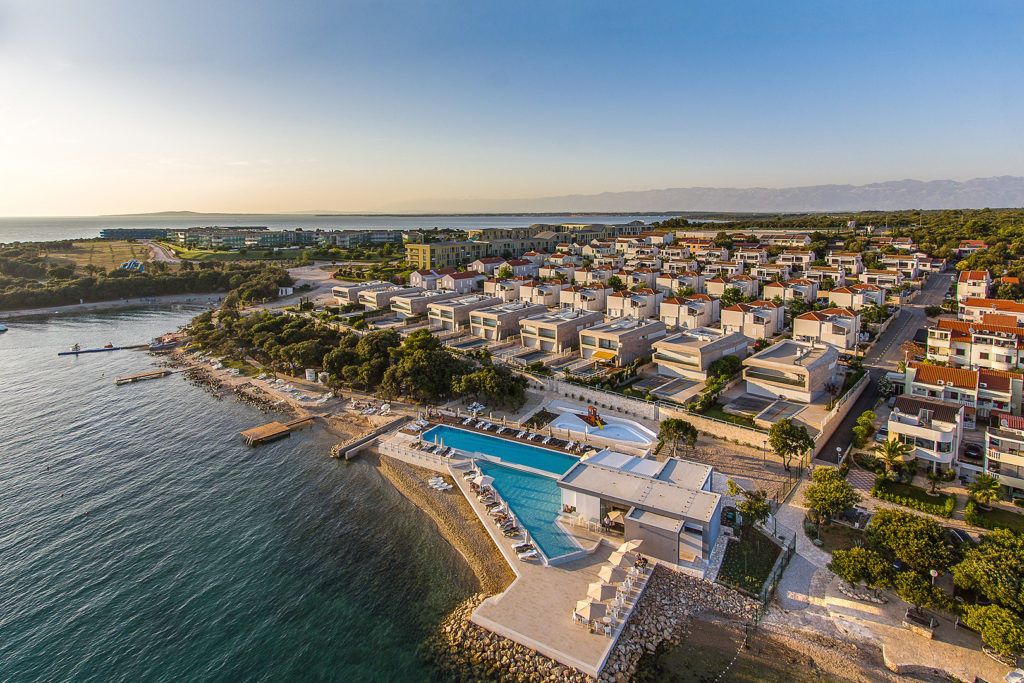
(520, 435)
(546, 439)
(569, 445)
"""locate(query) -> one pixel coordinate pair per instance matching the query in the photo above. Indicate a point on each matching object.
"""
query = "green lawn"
(747, 563)
(245, 367)
(839, 537)
(716, 412)
(914, 492)
(1002, 518)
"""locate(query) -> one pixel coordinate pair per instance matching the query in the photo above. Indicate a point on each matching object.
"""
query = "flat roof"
(791, 353)
(563, 315)
(648, 493)
(624, 325)
(510, 307)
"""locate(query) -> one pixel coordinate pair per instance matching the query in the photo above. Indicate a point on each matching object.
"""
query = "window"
(983, 356)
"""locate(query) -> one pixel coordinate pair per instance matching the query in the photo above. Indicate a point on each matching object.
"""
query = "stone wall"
(715, 428)
(835, 418)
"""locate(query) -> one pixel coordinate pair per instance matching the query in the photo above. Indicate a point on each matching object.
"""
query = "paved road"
(162, 253)
(885, 355)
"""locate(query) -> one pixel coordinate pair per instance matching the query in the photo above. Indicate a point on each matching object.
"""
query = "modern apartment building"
(506, 289)
(837, 327)
(787, 290)
(543, 293)
(557, 331)
(586, 297)
(620, 342)
(851, 261)
(795, 371)
(856, 296)
(722, 269)
(976, 345)
(379, 297)
(821, 273)
(641, 303)
(670, 283)
(908, 265)
(934, 430)
(716, 286)
(349, 293)
(689, 312)
(973, 284)
(502, 320)
(797, 259)
(464, 282)
(756, 320)
(453, 314)
(413, 303)
(691, 352)
(428, 279)
(882, 278)
(770, 271)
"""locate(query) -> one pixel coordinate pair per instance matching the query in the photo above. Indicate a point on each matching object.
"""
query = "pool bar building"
(669, 505)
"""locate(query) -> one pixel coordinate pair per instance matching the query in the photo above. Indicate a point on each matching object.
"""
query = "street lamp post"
(839, 454)
(764, 445)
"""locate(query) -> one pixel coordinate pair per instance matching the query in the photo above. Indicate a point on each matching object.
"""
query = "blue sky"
(273, 106)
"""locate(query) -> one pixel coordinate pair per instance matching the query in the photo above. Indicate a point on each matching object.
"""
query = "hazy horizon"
(256, 107)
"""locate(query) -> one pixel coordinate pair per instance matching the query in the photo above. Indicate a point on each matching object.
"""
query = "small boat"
(76, 350)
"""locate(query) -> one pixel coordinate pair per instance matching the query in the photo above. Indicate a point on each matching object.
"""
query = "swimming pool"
(535, 500)
(609, 430)
(507, 450)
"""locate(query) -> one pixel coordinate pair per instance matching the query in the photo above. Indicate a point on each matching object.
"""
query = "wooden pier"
(141, 377)
(272, 431)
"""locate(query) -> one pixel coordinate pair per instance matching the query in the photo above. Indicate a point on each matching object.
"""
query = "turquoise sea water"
(199, 559)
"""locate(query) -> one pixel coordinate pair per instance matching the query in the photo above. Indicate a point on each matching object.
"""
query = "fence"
(772, 582)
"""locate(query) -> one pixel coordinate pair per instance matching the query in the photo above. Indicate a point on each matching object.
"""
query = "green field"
(105, 254)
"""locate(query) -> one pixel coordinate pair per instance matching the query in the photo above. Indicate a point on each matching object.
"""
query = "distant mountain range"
(997, 192)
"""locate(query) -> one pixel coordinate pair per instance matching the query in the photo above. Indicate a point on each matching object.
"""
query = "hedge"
(944, 509)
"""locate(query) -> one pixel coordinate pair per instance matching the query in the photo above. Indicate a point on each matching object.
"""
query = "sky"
(120, 106)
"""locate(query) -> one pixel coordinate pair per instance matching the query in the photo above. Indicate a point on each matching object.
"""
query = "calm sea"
(199, 559)
(58, 228)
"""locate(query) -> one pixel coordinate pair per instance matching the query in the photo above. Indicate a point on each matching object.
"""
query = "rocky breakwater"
(664, 617)
(463, 651)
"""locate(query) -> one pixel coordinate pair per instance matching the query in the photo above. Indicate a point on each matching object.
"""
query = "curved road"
(884, 356)
(162, 253)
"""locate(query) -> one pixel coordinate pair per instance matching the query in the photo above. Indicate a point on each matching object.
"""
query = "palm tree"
(891, 453)
(935, 478)
(984, 488)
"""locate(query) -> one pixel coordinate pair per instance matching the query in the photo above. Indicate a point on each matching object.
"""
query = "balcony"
(768, 376)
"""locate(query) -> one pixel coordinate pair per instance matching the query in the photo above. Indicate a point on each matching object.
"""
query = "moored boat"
(77, 349)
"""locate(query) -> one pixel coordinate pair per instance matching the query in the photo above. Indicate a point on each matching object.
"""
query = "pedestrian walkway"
(795, 588)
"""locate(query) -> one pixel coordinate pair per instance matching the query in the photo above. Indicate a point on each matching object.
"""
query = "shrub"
(1000, 628)
(860, 564)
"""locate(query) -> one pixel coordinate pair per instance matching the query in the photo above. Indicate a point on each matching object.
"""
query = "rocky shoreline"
(454, 518)
(464, 651)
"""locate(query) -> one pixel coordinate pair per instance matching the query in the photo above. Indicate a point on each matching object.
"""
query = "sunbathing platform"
(536, 610)
(272, 431)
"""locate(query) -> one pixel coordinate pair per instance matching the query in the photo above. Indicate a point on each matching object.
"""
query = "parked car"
(882, 435)
(973, 450)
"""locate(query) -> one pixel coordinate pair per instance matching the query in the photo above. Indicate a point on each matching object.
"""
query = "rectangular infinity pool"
(507, 450)
(535, 501)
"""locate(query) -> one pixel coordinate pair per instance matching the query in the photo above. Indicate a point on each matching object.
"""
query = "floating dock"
(272, 431)
(81, 351)
(141, 377)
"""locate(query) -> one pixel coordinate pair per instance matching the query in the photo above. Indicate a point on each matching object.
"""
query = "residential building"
(792, 370)
(506, 289)
(697, 310)
(488, 265)
(610, 261)
(976, 345)
(722, 269)
(538, 257)
(557, 331)
(934, 430)
(679, 266)
(621, 341)
(882, 278)
(973, 284)
(980, 310)
(931, 265)
(543, 293)
(408, 305)
(838, 327)
(968, 247)
(796, 259)
(672, 283)
(668, 506)
(428, 279)
(586, 297)
(821, 273)
(689, 353)
(856, 297)
(786, 239)
(980, 391)
(501, 320)
(770, 271)
(349, 293)
(750, 257)
(1004, 452)
(463, 283)
(908, 265)
(756, 320)
(591, 275)
(434, 255)
(716, 287)
(522, 267)
(379, 297)
(851, 261)
(797, 288)
(641, 277)
(640, 303)
(560, 272)
(561, 258)
(453, 314)
(709, 253)
(677, 252)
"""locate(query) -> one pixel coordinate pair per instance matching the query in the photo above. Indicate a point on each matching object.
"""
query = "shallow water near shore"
(143, 541)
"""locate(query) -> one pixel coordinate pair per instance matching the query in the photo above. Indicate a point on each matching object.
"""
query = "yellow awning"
(603, 355)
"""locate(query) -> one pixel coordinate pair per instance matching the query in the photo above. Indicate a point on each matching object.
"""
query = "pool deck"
(536, 609)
